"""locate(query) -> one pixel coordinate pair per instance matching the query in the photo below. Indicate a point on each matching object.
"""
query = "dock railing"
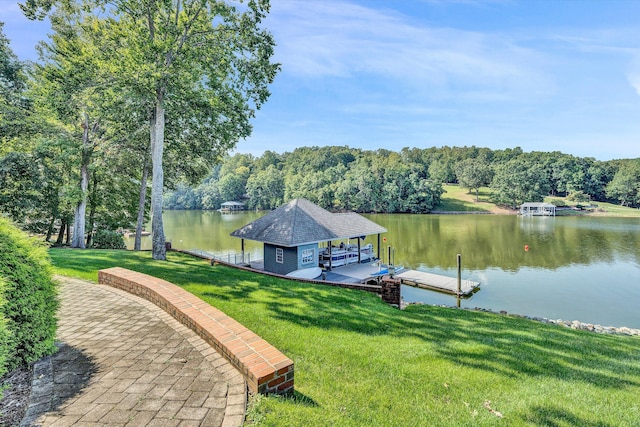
(234, 258)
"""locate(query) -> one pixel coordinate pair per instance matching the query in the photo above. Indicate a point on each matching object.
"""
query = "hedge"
(4, 333)
(28, 298)
(107, 239)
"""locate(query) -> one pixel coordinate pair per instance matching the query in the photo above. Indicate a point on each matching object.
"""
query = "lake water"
(575, 268)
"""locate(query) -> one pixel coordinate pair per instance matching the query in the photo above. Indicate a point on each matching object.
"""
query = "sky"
(542, 75)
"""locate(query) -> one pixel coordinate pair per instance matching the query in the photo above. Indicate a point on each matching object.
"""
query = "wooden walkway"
(436, 282)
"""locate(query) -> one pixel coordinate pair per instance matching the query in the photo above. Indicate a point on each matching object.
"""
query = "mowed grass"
(459, 199)
(601, 208)
(360, 362)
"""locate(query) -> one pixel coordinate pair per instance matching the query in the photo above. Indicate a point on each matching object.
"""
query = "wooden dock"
(437, 282)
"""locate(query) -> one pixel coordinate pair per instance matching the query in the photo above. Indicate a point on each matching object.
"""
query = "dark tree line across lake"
(409, 181)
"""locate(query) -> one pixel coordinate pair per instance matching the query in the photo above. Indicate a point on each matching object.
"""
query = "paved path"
(124, 361)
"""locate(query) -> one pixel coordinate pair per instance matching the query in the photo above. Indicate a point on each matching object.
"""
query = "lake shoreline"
(572, 324)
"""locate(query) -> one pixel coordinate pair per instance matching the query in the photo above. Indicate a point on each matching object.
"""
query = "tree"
(205, 63)
(625, 185)
(441, 171)
(265, 189)
(15, 106)
(67, 81)
(473, 174)
(519, 180)
(204, 51)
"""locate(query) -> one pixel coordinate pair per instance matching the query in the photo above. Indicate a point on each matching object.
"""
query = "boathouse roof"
(232, 204)
(537, 205)
(301, 222)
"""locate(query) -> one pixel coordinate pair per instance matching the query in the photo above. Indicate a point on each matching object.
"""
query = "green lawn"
(458, 199)
(601, 208)
(360, 362)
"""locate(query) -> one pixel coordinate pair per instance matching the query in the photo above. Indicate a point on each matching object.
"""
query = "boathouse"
(231, 207)
(292, 233)
(538, 209)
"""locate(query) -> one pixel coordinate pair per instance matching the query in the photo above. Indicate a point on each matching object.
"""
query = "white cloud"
(343, 40)
(633, 75)
(634, 80)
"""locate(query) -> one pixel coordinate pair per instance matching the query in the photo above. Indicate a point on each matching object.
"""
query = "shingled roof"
(301, 222)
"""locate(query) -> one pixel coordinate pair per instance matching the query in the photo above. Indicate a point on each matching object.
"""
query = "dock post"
(459, 274)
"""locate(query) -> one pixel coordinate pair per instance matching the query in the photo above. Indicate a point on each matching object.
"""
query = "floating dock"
(436, 282)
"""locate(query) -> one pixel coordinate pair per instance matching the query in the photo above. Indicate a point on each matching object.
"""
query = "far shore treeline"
(343, 178)
(76, 148)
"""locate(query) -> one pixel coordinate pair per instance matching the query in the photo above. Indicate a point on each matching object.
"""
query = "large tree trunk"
(63, 227)
(50, 228)
(92, 209)
(141, 202)
(81, 208)
(69, 230)
(159, 250)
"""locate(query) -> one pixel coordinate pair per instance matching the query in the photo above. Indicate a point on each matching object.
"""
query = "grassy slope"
(360, 362)
(458, 199)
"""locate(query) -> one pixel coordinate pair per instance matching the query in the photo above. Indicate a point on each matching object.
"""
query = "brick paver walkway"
(123, 361)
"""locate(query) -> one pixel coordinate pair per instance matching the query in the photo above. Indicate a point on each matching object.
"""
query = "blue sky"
(540, 74)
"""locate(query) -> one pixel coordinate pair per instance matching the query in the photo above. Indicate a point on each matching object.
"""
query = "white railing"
(234, 258)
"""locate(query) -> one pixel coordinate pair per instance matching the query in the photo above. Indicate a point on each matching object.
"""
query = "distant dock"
(436, 282)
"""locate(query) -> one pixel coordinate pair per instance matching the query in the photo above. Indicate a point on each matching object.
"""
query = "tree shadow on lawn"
(505, 345)
(555, 417)
(455, 205)
(502, 344)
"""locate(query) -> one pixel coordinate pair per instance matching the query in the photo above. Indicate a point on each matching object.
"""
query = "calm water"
(576, 268)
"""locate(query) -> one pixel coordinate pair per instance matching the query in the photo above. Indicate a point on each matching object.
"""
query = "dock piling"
(459, 290)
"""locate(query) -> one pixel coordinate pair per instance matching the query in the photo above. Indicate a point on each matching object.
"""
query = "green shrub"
(108, 239)
(578, 196)
(4, 333)
(30, 297)
(558, 202)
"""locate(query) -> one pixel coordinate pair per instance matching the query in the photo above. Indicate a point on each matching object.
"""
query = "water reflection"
(488, 241)
(580, 268)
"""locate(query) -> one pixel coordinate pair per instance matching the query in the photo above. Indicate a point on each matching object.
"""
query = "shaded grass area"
(360, 362)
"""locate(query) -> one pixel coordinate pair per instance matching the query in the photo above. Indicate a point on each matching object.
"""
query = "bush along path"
(28, 303)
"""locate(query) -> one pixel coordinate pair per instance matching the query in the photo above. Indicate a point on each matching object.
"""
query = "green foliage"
(360, 362)
(557, 202)
(625, 185)
(265, 189)
(473, 174)
(15, 106)
(518, 181)
(5, 334)
(340, 178)
(108, 239)
(30, 298)
(578, 196)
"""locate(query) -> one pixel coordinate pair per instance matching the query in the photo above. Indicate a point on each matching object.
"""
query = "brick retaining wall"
(264, 367)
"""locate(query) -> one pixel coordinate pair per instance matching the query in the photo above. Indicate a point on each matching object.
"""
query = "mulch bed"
(16, 388)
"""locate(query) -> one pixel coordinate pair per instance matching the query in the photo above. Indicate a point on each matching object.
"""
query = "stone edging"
(573, 324)
(264, 367)
(41, 396)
